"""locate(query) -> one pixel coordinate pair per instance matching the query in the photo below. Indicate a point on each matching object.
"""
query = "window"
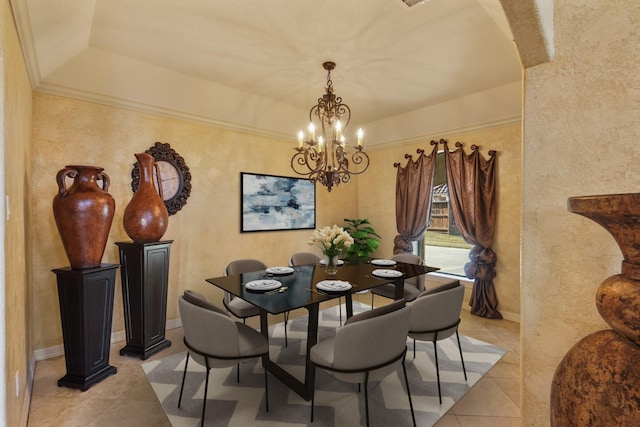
(442, 245)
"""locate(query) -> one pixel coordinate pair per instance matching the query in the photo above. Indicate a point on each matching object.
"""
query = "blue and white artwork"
(277, 203)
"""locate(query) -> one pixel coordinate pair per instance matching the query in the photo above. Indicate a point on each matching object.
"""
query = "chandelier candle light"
(325, 159)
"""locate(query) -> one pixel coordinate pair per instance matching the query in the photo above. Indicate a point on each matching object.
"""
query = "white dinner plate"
(279, 270)
(386, 262)
(386, 273)
(323, 262)
(333, 285)
(263, 285)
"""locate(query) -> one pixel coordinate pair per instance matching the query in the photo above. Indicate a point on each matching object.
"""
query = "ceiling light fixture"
(325, 159)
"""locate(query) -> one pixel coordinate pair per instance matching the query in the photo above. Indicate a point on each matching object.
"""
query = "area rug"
(337, 404)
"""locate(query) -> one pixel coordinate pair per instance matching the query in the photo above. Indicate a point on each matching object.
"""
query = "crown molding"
(22, 23)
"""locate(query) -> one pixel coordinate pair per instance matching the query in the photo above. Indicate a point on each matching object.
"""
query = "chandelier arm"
(305, 157)
(361, 159)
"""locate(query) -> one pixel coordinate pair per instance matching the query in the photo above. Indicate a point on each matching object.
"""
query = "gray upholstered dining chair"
(214, 340)
(306, 258)
(435, 315)
(412, 286)
(369, 346)
(303, 258)
(239, 307)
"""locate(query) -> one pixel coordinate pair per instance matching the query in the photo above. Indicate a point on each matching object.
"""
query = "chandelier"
(323, 156)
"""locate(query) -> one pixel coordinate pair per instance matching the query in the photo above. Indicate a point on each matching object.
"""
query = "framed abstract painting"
(276, 203)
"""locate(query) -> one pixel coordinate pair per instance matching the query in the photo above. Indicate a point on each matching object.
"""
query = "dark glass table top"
(301, 284)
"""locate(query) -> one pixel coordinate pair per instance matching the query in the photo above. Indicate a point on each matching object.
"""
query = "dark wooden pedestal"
(86, 311)
(145, 277)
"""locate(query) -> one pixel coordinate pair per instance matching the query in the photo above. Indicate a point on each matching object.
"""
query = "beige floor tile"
(55, 411)
(507, 367)
(511, 386)
(447, 421)
(130, 383)
(476, 401)
(138, 414)
(475, 421)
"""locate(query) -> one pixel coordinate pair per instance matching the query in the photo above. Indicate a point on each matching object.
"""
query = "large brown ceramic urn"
(83, 214)
(597, 383)
(146, 218)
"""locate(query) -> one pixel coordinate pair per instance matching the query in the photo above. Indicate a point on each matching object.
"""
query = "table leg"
(304, 389)
(349, 303)
(399, 294)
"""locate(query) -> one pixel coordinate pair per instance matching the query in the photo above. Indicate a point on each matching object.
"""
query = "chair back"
(303, 258)
(372, 338)
(247, 265)
(209, 331)
(417, 281)
(240, 266)
(436, 313)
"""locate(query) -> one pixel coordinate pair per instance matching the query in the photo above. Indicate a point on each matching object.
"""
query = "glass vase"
(331, 264)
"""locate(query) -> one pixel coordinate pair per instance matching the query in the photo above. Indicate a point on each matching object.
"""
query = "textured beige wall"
(377, 201)
(16, 142)
(206, 232)
(581, 133)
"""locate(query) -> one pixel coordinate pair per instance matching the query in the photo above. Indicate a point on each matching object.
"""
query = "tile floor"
(126, 399)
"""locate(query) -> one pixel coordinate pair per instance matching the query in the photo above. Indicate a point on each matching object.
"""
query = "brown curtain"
(472, 192)
(413, 198)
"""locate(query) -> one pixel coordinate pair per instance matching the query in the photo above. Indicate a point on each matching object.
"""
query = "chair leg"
(340, 309)
(406, 380)
(435, 351)
(313, 398)
(366, 396)
(238, 373)
(266, 390)
(286, 321)
(184, 375)
(414, 348)
(461, 358)
(206, 388)
(371, 300)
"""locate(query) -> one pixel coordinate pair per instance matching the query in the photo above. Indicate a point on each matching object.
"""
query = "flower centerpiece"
(333, 241)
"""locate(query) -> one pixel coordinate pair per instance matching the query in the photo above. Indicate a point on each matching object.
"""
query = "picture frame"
(276, 203)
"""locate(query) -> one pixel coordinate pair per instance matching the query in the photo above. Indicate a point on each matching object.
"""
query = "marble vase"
(596, 383)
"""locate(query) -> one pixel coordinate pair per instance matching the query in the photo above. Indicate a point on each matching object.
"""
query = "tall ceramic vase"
(146, 217)
(597, 381)
(83, 214)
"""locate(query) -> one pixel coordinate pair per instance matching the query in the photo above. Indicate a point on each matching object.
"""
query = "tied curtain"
(472, 191)
(413, 198)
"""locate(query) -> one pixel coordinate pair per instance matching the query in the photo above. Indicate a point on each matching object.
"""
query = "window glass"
(442, 245)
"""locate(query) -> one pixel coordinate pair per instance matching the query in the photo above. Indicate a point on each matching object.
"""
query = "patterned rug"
(337, 404)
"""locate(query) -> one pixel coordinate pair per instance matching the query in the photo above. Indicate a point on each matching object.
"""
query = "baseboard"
(119, 336)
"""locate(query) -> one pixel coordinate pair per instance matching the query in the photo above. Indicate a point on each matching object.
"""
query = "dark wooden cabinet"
(86, 311)
(145, 276)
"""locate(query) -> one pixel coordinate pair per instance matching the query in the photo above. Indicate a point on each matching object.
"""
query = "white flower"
(331, 240)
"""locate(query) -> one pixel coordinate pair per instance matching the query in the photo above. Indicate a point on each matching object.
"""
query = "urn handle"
(60, 178)
(106, 181)
(158, 179)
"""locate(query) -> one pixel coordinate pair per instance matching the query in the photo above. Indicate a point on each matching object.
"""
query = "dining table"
(298, 288)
